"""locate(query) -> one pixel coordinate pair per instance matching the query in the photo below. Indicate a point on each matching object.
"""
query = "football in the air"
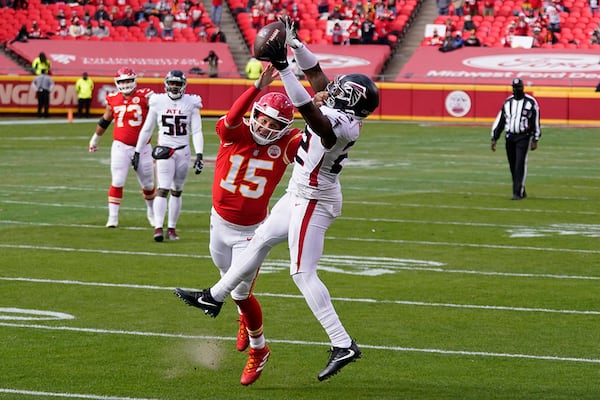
(275, 31)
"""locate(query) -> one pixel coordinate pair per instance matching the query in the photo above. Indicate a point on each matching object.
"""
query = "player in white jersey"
(313, 199)
(178, 117)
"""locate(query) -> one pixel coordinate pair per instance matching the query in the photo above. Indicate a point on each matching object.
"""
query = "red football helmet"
(125, 79)
(276, 106)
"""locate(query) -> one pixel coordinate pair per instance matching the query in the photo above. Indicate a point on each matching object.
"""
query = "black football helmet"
(354, 94)
(175, 83)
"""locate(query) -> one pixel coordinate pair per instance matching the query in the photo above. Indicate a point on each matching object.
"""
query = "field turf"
(452, 290)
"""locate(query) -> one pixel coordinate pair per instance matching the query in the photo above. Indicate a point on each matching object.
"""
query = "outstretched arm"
(312, 114)
(234, 117)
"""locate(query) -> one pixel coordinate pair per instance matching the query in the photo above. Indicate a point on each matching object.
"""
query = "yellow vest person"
(84, 87)
(253, 68)
(41, 63)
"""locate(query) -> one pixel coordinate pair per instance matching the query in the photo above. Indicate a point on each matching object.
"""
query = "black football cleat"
(202, 300)
(338, 359)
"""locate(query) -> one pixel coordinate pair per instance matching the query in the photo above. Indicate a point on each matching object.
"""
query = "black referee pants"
(517, 147)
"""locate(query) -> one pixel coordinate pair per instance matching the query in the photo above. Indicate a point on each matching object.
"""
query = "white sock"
(174, 211)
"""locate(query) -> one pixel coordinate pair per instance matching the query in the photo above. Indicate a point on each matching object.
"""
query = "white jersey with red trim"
(316, 170)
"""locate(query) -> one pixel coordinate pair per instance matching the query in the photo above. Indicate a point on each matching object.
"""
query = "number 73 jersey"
(246, 174)
(129, 114)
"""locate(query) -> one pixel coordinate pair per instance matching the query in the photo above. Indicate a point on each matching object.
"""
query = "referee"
(520, 118)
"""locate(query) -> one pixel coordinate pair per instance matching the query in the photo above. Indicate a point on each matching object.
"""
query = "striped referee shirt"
(518, 117)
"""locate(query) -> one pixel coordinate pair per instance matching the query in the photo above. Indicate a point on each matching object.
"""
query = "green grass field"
(452, 290)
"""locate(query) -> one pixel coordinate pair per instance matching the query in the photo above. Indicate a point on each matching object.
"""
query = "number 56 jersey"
(177, 120)
(129, 114)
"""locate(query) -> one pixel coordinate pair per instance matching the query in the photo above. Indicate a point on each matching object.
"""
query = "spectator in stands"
(391, 6)
(87, 18)
(216, 12)
(218, 36)
(163, 7)
(22, 35)
(270, 16)
(213, 64)
(594, 8)
(323, 6)
(76, 29)
(488, 8)
(337, 34)
(435, 39)
(101, 13)
(468, 24)
(472, 7)
(181, 16)
(521, 26)
(84, 87)
(126, 19)
(168, 24)
(443, 6)
(450, 26)
(336, 14)
(101, 30)
(595, 36)
(41, 63)
(43, 85)
(253, 68)
(354, 31)
(60, 15)
(538, 37)
(295, 16)
(88, 30)
(459, 7)
(472, 40)
(202, 34)
(452, 42)
(257, 15)
(151, 31)
(36, 32)
(368, 31)
(149, 10)
(553, 15)
(63, 28)
(560, 6)
(196, 12)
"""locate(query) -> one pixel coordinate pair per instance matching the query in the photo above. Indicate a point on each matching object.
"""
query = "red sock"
(252, 313)
(115, 195)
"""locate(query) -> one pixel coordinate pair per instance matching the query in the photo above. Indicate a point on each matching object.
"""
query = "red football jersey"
(246, 173)
(129, 114)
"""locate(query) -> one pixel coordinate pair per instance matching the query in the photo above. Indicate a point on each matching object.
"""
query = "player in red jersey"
(252, 158)
(128, 107)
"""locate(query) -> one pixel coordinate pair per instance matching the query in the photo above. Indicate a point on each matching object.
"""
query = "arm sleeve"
(197, 134)
(147, 129)
(294, 88)
(240, 106)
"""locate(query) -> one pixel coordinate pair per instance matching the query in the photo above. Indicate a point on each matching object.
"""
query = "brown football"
(275, 31)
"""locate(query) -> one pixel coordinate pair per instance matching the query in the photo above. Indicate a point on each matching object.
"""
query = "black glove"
(199, 164)
(277, 54)
(135, 161)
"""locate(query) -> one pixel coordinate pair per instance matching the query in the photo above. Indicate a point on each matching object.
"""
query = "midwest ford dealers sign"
(481, 65)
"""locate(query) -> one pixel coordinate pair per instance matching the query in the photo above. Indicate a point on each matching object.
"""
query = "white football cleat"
(112, 222)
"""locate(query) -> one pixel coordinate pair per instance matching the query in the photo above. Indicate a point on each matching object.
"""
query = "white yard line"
(307, 343)
(295, 296)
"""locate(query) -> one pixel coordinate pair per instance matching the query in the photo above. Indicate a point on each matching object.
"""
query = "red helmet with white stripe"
(279, 108)
(125, 79)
